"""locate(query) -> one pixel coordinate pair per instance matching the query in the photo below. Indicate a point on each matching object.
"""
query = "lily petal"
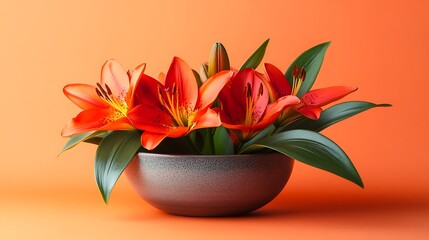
(232, 104)
(146, 91)
(95, 119)
(244, 79)
(271, 113)
(181, 75)
(151, 118)
(135, 74)
(323, 96)
(115, 76)
(278, 80)
(211, 88)
(310, 111)
(84, 96)
(177, 132)
(161, 78)
(134, 78)
(151, 140)
(208, 120)
(239, 84)
(259, 92)
(275, 109)
(242, 128)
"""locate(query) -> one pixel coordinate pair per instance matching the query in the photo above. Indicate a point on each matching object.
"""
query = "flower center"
(169, 98)
(118, 105)
(297, 78)
(252, 114)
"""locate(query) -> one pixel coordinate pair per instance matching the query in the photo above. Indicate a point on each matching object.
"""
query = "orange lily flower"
(173, 106)
(245, 107)
(311, 102)
(105, 106)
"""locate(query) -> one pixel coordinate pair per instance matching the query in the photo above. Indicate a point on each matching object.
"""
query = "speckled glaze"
(209, 185)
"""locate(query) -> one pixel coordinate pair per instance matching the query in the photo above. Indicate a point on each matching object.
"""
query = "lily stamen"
(108, 97)
(102, 91)
(172, 104)
(261, 90)
(297, 78)
(251, 103)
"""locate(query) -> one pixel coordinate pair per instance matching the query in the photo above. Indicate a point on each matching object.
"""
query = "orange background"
(379, 46)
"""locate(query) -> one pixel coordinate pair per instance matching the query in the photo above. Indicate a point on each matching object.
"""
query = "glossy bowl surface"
(209, 185)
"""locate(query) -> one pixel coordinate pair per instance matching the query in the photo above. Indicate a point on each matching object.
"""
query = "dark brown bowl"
(209, 185)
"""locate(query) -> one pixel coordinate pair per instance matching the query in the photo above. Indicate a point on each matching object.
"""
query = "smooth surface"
(209, 185)
(379, 46)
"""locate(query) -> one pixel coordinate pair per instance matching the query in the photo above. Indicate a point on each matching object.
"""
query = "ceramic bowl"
(209, 185)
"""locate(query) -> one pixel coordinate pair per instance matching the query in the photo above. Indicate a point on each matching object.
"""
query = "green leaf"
(113, 154)
(313, 149)
(311, 60)
(257, 56)
(95, 140)
(264, 133)
(83, 137)
(333, 115)
(206, 135)
(196, 140)
(222, 141)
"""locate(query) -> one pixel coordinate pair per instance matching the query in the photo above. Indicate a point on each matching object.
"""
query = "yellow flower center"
(169, 98)
(118, 105)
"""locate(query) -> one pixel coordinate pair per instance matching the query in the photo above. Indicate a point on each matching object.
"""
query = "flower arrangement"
(217, 110)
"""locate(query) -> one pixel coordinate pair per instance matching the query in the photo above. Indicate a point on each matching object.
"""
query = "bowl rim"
(210, 155)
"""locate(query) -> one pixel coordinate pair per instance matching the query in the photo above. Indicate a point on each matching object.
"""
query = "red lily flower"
(311, 102)
(174, 106)
(245, 107)
(105, 106)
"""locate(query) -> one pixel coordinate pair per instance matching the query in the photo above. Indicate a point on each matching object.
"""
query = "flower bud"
(218, 60)
(204, 73)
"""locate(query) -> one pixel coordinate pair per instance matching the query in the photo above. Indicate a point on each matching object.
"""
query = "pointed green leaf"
(218, 60)
(113, 154)
(257, 56)
(313, 149)
(311, 60)
(83, 137)
(333, 115)
(97, 139)
(264, 133)
(222, 141)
